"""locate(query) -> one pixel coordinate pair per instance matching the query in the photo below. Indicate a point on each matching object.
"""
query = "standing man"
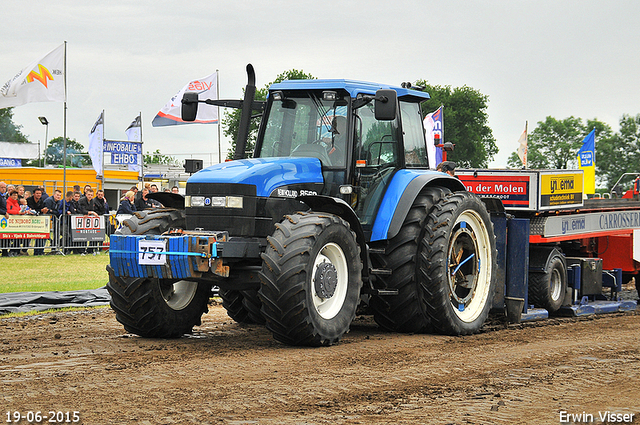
(100, 204)
(54, 204)
(36, 203)
(3, 211)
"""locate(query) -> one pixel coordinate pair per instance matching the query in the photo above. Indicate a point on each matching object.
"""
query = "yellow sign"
(560, 189)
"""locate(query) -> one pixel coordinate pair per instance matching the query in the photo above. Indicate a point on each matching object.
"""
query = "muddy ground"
(226, 373)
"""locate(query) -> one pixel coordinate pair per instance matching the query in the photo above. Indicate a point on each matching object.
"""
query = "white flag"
(170, 114)
(96, 145)
(134, 134)
(428, 125)
(522, 147)
(41, 81)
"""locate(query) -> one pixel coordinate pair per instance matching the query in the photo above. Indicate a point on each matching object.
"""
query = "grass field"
(53, 273)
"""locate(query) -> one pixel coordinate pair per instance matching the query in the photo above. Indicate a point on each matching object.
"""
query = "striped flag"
(207, 88)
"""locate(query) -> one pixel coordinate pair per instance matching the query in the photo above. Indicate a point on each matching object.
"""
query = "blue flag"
(587, 161)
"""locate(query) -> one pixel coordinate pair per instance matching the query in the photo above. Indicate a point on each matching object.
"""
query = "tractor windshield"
(304, 124)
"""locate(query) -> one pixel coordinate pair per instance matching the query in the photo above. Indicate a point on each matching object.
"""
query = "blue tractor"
(338, 207)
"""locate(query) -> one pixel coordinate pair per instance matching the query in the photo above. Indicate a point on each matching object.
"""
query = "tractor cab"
(360, 132)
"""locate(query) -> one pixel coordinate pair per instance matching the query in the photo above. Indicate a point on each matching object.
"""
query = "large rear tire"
(457, 261)
(311, 279)
(407, 311)
(153, 307)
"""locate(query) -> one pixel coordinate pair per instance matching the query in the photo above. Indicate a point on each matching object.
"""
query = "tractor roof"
(353, 87)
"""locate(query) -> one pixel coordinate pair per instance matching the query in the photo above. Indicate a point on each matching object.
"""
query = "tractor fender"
(337, 206)
(399, 196)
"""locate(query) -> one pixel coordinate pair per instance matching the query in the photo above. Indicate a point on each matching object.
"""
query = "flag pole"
(103, 167)
(64, 151)
(219, 124)
(141, 167)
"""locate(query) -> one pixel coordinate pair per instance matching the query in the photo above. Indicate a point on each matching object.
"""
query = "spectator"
(75, 201)
(175, 189)
(20, 190)
(54, 204)
(3, 198)
(153, 188)
(127, 205)
(100, 204)
(447, 167)
(143, 203)
(13, 206)
(85, 203)
(24, 208)
(3, 211)
(69, 207)
(36, 204)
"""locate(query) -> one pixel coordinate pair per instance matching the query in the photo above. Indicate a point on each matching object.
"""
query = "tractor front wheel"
(311, 279)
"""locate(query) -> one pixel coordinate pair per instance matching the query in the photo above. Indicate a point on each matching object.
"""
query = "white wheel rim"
(179, 294)
(556, 284)
(469, 266)
(329, 307)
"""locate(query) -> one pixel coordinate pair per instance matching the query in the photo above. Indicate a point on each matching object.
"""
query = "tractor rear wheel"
(311, 279)
(457, 263)
(152, 307)
(407, 311)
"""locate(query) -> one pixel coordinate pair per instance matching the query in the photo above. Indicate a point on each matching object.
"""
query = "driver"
(336, 148)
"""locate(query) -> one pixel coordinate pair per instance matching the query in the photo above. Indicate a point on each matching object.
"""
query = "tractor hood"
(266, 174)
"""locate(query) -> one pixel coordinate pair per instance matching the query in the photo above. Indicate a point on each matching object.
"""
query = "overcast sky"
(532, 58)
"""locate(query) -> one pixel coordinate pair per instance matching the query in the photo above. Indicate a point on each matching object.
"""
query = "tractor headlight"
(218, 201)
(197, 201)
(234, 201)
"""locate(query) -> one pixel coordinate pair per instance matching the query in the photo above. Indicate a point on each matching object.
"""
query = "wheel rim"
(329, 280)
(469, 266)
(556, 284)
(179, 294)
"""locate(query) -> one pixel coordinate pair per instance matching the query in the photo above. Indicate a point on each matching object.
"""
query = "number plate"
(152, 252)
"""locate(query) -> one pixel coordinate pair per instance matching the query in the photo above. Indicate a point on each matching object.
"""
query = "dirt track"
(227, 373)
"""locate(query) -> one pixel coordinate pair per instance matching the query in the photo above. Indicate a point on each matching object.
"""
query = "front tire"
(457, 262)
(311, 279)
(150, 307)
(157, 308)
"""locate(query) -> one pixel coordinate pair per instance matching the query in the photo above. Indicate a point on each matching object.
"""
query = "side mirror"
(386, 104)
(189, 106)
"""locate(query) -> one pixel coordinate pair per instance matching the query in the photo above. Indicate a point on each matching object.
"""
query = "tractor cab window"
(377, 154)
(415, 148)
(306, 125)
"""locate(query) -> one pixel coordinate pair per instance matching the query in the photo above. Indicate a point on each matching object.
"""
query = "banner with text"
(123, 152)
(25, 227)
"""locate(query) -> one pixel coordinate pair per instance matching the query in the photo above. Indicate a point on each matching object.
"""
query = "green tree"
(619, 153)
(158, 158)
(554, 143)
(9, 131)
(76, 155)
(231, 121)
(465, 123)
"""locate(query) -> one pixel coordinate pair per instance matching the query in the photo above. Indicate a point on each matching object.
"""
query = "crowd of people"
(15, 200)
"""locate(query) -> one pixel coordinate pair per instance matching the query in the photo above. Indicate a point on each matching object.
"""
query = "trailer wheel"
(311, 279)
(157, 308)
(407, 311)
(153, 307)
(457, 260)
(547, 290)
(242, 306)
